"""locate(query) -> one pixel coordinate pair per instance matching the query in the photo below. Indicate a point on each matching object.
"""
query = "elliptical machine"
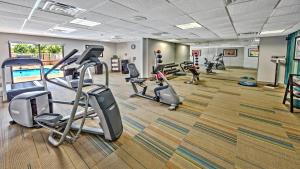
(216, 63)
(164, 93)
(36, 108)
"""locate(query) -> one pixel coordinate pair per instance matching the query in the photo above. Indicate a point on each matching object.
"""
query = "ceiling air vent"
(247, 34)
(62, 9)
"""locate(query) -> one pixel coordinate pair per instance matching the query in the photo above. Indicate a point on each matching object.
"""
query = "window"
(50, 54)
(24, 50)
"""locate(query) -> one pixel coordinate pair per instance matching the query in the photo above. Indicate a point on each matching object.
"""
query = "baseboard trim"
(266, 83)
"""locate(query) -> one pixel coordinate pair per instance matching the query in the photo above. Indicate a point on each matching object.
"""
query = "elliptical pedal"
(48, 119)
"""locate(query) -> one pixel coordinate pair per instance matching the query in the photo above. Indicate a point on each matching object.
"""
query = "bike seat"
(138, 80)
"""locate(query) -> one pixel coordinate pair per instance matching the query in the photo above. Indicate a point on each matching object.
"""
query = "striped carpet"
(219, 125)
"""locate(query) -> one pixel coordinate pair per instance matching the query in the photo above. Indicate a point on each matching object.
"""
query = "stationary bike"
(164, 93)
(216, 63)
(189, 66)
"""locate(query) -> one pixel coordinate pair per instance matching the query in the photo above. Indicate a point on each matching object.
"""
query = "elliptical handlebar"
(73, 52)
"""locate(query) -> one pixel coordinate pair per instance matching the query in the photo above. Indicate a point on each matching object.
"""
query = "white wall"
(271, 46)
(250, 62)
(125, 48)
(209, 53)
(69, 45)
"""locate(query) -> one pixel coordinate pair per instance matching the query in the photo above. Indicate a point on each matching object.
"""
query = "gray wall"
(69, 44)
(171, 53)
(271, 46)
(182, 53)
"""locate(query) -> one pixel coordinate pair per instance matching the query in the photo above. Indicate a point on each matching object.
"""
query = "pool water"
(33, 72)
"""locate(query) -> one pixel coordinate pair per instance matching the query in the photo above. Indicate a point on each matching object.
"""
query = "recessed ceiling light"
(189, 25)
(139, 18)
(271, 32)
(84, 22)
(62, 29)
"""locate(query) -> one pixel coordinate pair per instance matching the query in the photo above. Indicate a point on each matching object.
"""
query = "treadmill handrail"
(73, 52)
(17, 61)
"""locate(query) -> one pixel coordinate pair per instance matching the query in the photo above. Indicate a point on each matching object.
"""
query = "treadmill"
(9, 89)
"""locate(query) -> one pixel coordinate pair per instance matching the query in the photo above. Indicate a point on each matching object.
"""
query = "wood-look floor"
(219, 125)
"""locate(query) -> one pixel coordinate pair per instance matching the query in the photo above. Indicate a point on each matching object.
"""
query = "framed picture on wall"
(196, 52)
(297, 49)
(230, 52)
(253, 52)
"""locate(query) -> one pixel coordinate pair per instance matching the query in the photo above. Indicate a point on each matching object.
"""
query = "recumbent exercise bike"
(164, 93)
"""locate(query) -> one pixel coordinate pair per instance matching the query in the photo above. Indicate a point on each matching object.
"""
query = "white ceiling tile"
(9, 24)
(36, 25)
(25, 3)
(249, 7)
(116, 10)
(13, 15)
(161, 12)
(292, 18)
(50, 17)
(179, 20)
(259, 15)
(284, 3)
(286, 10)
(142, 5)
(213, 13)
(97, 17)
(277, 26)
(191, 6)
(250, 16)
(14, 9)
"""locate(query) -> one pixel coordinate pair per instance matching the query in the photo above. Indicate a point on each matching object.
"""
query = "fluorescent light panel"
(84, 22)
(189, 26)
(272, 32)
(63, 29)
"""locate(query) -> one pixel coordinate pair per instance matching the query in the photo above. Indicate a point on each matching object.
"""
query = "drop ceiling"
(220, 19)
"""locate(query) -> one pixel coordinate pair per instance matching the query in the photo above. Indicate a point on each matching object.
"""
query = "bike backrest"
(133, 71)
(194, 71)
